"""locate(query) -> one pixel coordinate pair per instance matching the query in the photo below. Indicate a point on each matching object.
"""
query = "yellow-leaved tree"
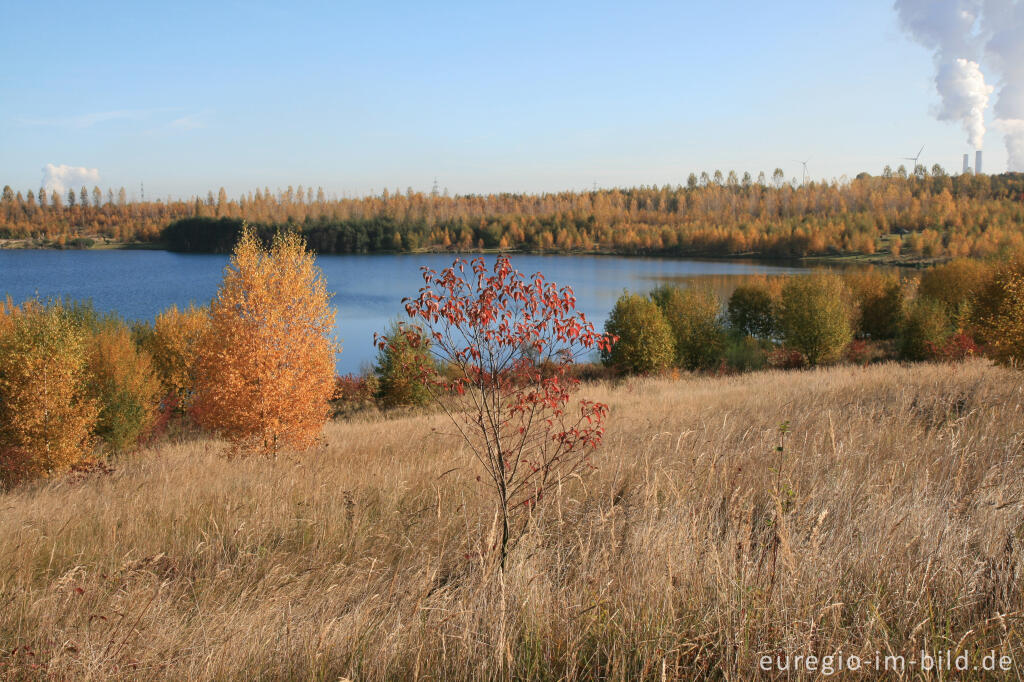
(265, 369)
(173, 343)
(46, 416)
(999, 314)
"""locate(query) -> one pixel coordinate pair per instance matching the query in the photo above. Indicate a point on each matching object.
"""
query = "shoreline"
(852, 259)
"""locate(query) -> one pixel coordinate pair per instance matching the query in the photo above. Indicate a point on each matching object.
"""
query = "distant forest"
(919, 215)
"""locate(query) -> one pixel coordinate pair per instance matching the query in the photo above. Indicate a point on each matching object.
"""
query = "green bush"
(745, 353)
(878, 298)
(645, 337)
(925, 329)
(400, 363)
(752, 311)
(695, 317)
(881, 316)
(814, 316)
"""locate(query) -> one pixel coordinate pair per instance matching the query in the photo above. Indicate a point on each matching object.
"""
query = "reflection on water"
(368, 290)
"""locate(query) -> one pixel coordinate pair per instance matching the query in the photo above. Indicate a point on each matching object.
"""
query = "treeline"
(920, 215)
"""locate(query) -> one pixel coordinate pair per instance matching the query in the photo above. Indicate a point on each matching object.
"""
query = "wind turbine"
(804, 164)
(914, 158)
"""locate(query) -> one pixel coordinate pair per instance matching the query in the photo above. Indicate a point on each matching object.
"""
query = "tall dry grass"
(890, 522)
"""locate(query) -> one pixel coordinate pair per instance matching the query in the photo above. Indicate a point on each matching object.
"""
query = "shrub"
(122, 381)
(645, 341)
(266, 365)
(867, 351)
(510, 406)
(399, 368)
(999, 314)
(786, 358)
(751, 311)
(955, 285)
(592, 371)
(957, 348)
(173, 345)
(878, 299)
(745, 353)
(7, 313)
(881, 316)
(120, 376)
(814, 316)
(926, 328)
(695, 317)
(46, 417)
(353, 393)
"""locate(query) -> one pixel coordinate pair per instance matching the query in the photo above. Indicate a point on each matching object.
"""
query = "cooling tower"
(977, 162)
(967, 163)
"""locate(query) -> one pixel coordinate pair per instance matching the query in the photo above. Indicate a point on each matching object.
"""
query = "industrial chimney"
(967, 163)
(977, 162)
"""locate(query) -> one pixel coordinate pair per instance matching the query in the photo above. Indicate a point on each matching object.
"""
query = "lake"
(368, 290)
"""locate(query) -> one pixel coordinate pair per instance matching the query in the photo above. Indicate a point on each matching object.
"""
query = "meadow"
(845, 510)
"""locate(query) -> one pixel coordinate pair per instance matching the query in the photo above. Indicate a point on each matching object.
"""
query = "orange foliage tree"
(266, 365)
(504, 344)
(46, 418)
(173, 344)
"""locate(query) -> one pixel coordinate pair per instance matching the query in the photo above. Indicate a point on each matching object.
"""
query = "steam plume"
(947, 27)
(964, 97)
(1003, 24)
(1013, 136)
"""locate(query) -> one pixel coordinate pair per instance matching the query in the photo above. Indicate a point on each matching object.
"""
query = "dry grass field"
(890, 522)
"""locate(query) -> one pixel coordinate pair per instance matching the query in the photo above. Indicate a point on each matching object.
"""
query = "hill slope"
(890, 522)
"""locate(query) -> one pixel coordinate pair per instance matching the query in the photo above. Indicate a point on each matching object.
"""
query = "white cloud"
(63, 177)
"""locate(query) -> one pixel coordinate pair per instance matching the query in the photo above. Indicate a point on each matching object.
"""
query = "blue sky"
(187, 96)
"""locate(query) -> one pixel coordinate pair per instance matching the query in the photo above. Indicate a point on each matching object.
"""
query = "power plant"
(977, 163)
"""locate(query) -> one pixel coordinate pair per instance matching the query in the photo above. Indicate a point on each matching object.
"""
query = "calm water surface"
(368, 290)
